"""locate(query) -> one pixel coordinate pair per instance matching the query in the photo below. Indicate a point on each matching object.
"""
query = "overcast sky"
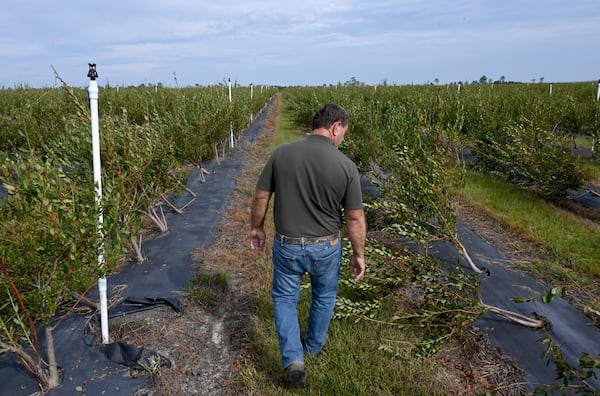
(306, 42)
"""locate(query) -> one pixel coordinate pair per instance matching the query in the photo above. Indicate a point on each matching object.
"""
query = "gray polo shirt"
(312, 181)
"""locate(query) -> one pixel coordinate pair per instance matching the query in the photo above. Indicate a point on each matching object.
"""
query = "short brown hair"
(327, 114)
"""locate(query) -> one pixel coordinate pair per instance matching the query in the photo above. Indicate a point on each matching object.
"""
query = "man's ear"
(335, 125)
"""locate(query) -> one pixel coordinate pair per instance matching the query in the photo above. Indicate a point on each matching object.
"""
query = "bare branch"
(514, 316)
(160, 221)
(171, 205)
(468, 258)
(592, 191)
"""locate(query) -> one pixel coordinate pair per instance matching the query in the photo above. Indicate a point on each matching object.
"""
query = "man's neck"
(323, 132)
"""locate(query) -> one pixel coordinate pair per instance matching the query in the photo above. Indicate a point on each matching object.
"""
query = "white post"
(229, 85)
(251, 97)
(231, 122)
(93, 96)
(598, 93)
(550, 89)
(102, 288)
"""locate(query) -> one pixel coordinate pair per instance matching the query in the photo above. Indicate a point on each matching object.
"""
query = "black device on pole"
(92, 73)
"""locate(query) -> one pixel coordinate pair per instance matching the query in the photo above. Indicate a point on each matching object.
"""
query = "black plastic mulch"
(569, 327)
(89, 369)
(585, 198)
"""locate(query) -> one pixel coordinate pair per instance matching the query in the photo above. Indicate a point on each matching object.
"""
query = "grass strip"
(286, 131)
(362, 357)
(574, 240)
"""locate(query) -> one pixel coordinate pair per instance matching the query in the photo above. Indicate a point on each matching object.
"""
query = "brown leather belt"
(307, 241)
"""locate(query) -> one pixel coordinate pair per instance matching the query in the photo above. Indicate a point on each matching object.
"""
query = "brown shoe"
(295, 375)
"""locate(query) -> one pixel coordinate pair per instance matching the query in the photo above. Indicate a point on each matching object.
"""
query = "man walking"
(312, 182)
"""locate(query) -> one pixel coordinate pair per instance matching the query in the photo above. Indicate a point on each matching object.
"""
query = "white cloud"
(296, 41)
(13, 48)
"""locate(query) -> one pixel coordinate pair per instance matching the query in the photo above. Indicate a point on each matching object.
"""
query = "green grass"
(592, 170)
(208, 289)
(361, 357)
(286, 130)
(583, 141)
(570, 239)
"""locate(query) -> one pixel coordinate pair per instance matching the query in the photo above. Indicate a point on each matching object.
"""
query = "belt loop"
(302, 242)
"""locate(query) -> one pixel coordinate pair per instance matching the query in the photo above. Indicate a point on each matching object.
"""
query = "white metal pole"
(251, 97)
(229, 85)
(102, 286)
(231, 122)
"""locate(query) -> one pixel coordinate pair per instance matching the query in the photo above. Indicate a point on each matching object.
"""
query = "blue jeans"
(322, 262)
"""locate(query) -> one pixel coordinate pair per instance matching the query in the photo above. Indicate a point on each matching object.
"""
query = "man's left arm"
(356, 226)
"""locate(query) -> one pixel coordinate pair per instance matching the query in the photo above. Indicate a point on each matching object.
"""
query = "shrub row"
(49, 240)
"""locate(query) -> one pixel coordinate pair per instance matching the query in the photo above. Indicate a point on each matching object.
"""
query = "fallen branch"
(589, 310)
(514, 316)
(188, 204)
(193, 194)
(467, 257)
(81, 299)
(116, 295)
(175, 208)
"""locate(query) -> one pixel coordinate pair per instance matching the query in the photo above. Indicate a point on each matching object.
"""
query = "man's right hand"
(257, 238)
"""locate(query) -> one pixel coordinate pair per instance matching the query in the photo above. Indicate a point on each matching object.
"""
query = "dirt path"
(208, 343)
